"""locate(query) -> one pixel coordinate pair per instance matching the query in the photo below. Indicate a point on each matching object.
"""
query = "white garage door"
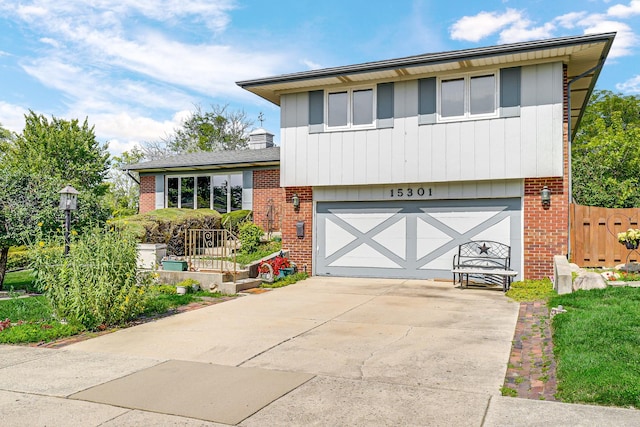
(409, 239)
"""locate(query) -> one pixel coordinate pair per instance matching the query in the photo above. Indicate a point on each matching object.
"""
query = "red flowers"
(276, 264)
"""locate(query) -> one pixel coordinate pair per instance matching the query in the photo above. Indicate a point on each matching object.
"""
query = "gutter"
(132, 177)
(596, 70)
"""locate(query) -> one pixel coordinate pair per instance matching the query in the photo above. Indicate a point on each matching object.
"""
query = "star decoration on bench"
(484, 249)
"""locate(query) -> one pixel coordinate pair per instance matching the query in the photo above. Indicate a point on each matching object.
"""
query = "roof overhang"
(582, 55)
(203, 167)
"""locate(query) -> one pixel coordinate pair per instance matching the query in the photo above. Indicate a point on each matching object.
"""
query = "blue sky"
(136, 68)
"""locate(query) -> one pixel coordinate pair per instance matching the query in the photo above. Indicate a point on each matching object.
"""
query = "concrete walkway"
(326, 351)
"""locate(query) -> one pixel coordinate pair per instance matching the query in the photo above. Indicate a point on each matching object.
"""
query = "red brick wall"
(300, 249)
(546, 228)
(268, 193)
(147, 193)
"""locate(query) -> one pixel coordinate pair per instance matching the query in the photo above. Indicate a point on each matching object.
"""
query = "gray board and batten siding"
(520, 142)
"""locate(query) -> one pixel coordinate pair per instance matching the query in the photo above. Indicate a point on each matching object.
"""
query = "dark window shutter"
(385, 101)
(316, 107)
(510, 87)
(427, 96)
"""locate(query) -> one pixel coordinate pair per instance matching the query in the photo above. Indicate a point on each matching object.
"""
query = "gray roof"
(583, 56)
(211, 160)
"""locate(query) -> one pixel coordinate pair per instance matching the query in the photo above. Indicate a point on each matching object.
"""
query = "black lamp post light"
(68, 203)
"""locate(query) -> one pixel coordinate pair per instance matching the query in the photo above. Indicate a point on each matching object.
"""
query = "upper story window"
(352, 108)
(468, 96)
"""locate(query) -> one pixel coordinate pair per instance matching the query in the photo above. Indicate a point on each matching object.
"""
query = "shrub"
(169, 226)
(232, 220)
(96, 284)
(250, 235)
(18, 259)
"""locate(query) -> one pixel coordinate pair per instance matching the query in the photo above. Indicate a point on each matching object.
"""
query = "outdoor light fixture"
(295, 200)
(545, 196)
(68, 203)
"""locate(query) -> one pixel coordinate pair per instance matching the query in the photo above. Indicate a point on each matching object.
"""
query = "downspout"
(570, 140)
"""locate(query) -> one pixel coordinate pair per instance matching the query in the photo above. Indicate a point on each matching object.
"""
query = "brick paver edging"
(531, 373)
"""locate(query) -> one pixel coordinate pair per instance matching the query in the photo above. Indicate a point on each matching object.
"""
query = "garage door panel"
(364, 256)
(409, 239)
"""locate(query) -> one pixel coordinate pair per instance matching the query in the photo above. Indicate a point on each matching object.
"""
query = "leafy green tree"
(24, 209)
(123, 195)
(606, 152)
(36, 165)
(5, 137)
(215, 130)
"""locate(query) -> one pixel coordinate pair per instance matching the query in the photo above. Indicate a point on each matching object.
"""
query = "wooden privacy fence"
(594, 240)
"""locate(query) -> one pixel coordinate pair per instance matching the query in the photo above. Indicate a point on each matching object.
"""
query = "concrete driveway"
(326, 351)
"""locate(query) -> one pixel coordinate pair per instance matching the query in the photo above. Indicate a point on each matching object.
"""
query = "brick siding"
(300, 249)
(546, 228)
(268, 196)
(147, 193)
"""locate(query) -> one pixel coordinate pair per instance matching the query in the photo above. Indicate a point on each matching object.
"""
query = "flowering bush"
(631, 236)
(276, 264)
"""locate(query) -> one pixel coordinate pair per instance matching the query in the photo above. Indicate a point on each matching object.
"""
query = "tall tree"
(215, 130)
(36, 165)
(123, 195)
(606, 152)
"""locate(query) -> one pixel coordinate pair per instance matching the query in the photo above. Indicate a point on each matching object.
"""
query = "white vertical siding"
(247, 190)
(160, 192)
(490, 149)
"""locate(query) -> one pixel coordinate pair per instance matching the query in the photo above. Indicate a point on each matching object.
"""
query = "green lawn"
(597, 346)
(32, 319)
(22, 279)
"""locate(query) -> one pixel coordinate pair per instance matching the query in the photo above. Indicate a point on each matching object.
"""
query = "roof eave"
(433, 58)
(203, 167)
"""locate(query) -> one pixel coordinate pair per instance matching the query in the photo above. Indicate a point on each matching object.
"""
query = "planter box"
(174, 265)
(150, 255)
(285, 272)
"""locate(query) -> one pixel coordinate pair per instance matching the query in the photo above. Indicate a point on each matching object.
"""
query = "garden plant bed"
(204, 302)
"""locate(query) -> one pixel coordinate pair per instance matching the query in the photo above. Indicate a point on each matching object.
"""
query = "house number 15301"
(410, 192)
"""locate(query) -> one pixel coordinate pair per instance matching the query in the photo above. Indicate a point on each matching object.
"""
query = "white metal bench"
(484, 261)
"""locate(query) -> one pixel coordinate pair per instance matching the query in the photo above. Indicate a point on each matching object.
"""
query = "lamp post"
(68, 203)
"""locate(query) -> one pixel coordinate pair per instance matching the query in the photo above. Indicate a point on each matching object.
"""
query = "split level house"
(393, 164)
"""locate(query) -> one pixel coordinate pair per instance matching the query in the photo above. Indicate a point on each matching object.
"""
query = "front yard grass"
(31, 320)
(19, 280)
(597, 346)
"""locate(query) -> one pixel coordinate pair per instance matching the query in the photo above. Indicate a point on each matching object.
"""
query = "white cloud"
(311, 65)
(12, 117)
(521, 31)
(474, 28)
(50, 42)
(625, 39)
(631, 86)
(513, 26)
(622, 11)
(101, 35)
(569, 20)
